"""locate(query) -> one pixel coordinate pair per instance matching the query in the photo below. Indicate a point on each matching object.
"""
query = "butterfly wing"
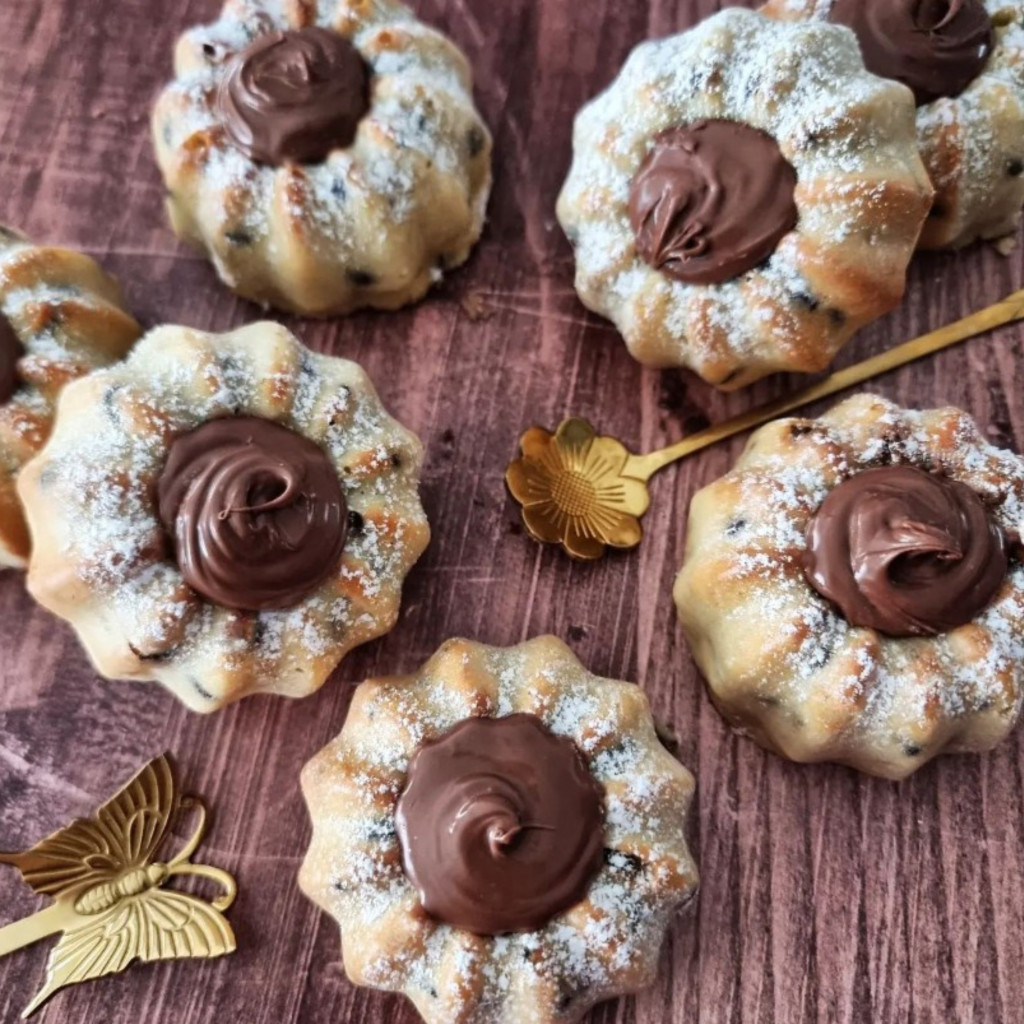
(125, 832)
(160, 924)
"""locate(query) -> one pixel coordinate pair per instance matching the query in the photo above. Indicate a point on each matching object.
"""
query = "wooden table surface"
(826, 896)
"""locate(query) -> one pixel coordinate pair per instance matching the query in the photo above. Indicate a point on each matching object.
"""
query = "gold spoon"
(587, 493)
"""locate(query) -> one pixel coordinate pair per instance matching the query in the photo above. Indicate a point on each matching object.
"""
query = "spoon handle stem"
(643, 467)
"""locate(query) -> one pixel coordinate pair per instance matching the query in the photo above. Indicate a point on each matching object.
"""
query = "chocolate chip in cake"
(382, 830)
(155, 656)
(622, 861)
(884, 454)
(821, 652)
(355, 522)
(1015, 168)
(197, 686)
(475, 141)
(736, 527)
(361, 278)
(109, 406)
(564, 1001)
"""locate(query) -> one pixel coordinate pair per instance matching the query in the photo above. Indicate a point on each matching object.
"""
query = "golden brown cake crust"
(604, 946)
(972, 144)
(374, 224)
(781, 662)
(861, 197)
(67, 314)
(101, 558)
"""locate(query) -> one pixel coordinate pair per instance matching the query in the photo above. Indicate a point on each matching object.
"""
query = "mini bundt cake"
(500, 836)
(60, 317)
(226, 514)
(964, 61)
(853, 590)
(743, 197)
(326, 154)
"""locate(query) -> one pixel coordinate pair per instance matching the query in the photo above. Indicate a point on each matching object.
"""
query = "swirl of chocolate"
(936, 47)
(255, 511)
(501, 825)
(905, 552)
(294, 96)
(711, 200)
(10, 352)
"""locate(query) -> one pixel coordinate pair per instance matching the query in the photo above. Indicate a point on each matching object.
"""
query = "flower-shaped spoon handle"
(587, 492)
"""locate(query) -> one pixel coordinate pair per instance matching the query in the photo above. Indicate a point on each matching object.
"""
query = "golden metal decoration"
(109, 899)
(576, 490)
(587, 492)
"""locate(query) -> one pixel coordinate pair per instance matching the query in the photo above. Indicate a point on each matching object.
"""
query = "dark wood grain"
(827, 897)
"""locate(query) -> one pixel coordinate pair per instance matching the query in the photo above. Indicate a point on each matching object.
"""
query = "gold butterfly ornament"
(110, 901)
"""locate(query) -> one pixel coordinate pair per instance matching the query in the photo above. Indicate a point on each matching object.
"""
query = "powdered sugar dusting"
(899, 701)
(97, 491)
(422, 125)
(66, 329)
(967, 141)
(605, 945)
(805, 85)
(47, 339)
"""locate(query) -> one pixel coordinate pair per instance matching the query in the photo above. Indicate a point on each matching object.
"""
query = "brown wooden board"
(826, 896)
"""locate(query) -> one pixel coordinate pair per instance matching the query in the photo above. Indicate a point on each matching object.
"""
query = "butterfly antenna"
(211, 874)
(191, 803)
